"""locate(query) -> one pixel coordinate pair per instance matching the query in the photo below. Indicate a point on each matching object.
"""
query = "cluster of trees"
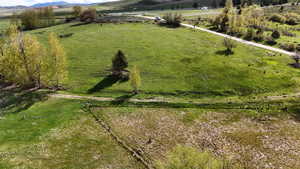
(287, 18)
(119, 65)
(247, 22)
(36, 18)
(88, 15)
(252, 2)
(26, 62)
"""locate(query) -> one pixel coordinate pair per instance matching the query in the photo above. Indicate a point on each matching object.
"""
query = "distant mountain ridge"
(58, 3)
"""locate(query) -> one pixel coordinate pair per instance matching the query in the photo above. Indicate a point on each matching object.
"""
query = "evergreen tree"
(119, 63)
(195, 5)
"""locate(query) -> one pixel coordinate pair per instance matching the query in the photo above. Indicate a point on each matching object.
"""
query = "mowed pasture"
(173, 62)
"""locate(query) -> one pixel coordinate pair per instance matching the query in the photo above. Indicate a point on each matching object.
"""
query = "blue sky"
(30, 2)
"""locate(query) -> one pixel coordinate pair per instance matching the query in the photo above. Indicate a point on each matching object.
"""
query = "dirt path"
(77, 97)
(249, 43)
(103, 99)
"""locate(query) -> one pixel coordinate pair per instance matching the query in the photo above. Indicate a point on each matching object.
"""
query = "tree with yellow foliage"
(57, 62)
(135, 79)
(25, 62)
(21, 58)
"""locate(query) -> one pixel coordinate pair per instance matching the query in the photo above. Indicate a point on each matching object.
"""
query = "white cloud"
(31, 2)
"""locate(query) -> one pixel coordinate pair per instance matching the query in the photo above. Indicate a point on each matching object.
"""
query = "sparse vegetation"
(183, 157)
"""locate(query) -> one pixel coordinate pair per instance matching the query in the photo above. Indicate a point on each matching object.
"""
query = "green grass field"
(173, 62)
(178, 64)
(4, 23)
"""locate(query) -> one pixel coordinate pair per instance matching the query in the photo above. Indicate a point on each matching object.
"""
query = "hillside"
(125, 90)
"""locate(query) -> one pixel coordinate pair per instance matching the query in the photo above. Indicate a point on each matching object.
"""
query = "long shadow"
(162, 24)
(122, 99)
(17, 100)
(80, 24)
(108, 81)
(224, 52)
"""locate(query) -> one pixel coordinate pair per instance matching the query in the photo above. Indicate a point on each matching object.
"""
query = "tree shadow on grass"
(224, 52)
(108, 81)
(80, 24)
(15, 100)
(163, 24)
(123, 99)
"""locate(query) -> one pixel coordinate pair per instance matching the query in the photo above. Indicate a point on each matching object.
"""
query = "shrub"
(287, 33)
(296, 58)
(288, 46)
(89, 15)
(277, 18)
(250, 34)
(292, 18)
(259, 37)
(298, 47)
(270, 41)
(221, 22)
(189, 158)
(229, 44)
(276, 34)
(173, 19)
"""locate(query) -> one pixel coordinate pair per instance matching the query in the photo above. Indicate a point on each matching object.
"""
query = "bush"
(229, 44)
(173, 19)
(298, 47)
(259, 37)
(288, 46)
(189, 158)
(277, 18)
(296, 58)
(270, 41)
(276, 34)
(292, 18)
(287, 33)
(89, 15)
(250, 34)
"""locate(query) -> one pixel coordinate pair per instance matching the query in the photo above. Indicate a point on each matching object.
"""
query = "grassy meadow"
(173, 62)
(235, 121)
